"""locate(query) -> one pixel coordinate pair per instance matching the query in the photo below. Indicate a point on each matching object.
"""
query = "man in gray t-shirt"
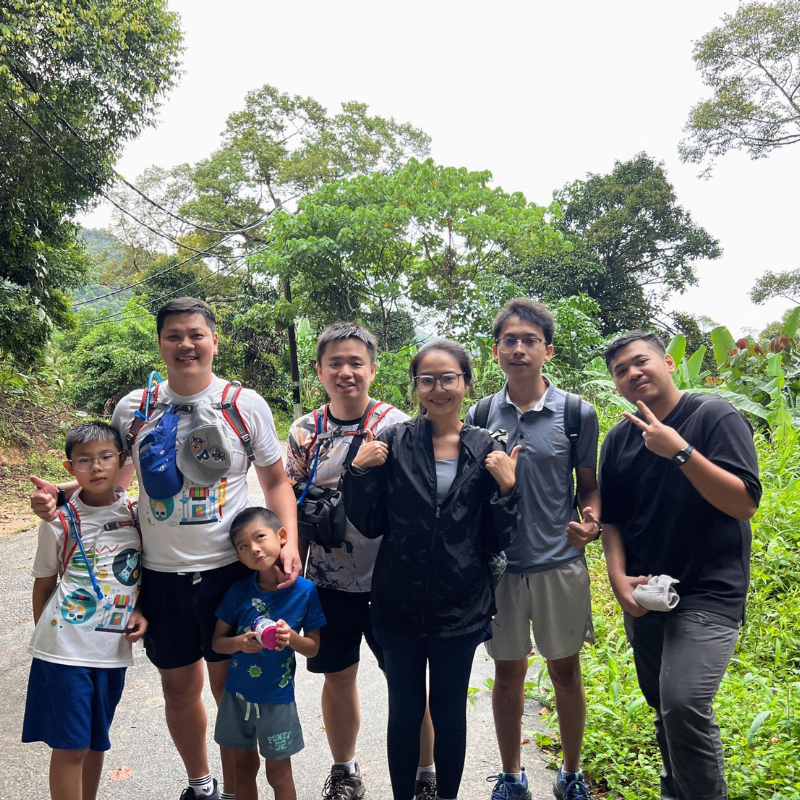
(546, 584)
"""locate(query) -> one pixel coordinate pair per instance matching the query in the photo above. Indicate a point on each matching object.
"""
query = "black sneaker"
(570, 786)
(343, 785)
(426, 788)
(189, 794)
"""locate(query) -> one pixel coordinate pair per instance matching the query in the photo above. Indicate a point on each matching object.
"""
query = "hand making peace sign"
(658, 438)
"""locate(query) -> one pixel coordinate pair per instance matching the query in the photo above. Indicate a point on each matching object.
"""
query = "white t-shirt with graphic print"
(347, 568)
(75, 627)
(189, 532)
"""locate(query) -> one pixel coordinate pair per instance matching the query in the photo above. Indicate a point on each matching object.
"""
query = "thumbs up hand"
(43, 499)
(579, 534)
(502, 468)
(371, 453)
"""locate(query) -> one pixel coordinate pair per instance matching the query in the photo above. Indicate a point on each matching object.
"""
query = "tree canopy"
(632, 245)
(77, 80)
(777, 284)
(752, 64)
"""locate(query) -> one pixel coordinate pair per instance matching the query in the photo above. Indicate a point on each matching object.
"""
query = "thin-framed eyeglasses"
(508, 344)
(447, 380)
(84, 463)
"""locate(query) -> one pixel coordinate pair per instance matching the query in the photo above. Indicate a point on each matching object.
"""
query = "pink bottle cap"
(266, 630)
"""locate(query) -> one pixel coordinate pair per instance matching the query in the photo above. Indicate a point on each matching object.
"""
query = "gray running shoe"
(426, 788)
(343, 785)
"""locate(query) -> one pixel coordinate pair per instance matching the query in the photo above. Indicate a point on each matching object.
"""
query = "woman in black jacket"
(442, 495)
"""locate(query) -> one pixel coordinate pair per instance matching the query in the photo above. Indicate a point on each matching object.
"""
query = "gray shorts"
(275, 728)
(556, 603)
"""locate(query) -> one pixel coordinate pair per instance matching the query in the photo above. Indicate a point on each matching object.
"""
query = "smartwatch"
(599, 528)
(682, 456)
(61, 497)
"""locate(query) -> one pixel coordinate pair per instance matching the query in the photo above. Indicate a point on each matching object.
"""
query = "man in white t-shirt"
(188, 561)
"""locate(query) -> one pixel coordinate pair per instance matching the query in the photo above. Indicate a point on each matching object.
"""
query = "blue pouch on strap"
(158, 468)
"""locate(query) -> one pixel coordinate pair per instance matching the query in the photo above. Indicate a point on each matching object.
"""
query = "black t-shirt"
(667, 527)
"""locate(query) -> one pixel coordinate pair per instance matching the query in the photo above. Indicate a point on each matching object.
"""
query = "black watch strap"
(682, 456)
(61, 497)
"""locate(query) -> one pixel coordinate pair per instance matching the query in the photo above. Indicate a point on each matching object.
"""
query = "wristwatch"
(599, 528)
(682, 456)
(61, 497)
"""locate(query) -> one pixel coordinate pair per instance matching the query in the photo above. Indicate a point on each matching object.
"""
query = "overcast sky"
(538, 93)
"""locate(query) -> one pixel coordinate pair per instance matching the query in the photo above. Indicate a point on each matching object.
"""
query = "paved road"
(139, 735)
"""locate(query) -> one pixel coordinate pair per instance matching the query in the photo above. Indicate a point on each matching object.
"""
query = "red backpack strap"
(381, 415)
(230, 410)
(139, 420)
(315, 417)
(66, 550)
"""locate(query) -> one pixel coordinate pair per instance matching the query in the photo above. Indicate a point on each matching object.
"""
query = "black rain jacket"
(431, 577)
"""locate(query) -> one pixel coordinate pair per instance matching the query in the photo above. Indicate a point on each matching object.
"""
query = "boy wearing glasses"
(546, 583)
(86, 582)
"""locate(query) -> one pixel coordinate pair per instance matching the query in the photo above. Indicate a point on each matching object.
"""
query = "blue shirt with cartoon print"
(267, 676)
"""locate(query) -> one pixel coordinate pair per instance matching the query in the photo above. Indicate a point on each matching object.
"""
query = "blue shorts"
(71, 708)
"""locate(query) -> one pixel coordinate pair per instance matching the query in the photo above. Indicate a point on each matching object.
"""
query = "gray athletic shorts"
(556, 603)
(275, 728)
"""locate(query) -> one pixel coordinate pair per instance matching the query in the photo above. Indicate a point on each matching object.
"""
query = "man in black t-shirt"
(678, 483)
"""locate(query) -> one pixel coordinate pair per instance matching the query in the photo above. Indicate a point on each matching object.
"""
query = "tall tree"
(752, 64)
(777, 284)
(631, 245)
(419, 238)
(77, 80)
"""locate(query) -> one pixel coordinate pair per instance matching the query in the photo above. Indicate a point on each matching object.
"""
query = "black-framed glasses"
(84, 463)
(448, 381)
(508, 344)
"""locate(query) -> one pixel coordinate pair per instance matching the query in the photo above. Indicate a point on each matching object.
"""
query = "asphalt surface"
(139, 736)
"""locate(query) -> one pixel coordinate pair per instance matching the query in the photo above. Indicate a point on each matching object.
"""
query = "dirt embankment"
(31, 443)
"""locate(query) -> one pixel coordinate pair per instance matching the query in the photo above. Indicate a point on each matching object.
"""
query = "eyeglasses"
(448, 381)
(508, 344)
(84, 463)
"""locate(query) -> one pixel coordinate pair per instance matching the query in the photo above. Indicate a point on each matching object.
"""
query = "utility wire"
(94, 186)
(231, 270)
(130, 185)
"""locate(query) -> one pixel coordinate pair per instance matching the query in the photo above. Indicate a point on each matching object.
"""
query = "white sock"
(515, 776)
(350, 765)
(202, 787)
(425, 772)
(565, 771)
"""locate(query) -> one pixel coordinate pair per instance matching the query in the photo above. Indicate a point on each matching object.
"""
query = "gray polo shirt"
(544, 476)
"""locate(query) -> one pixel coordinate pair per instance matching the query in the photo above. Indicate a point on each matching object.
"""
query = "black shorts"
(347, 616)
(179, 608)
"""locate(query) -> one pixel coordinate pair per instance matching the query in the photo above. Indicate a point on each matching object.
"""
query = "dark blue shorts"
(71, 708)
(180, 611)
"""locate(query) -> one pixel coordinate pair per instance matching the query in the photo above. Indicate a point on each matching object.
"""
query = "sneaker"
(571, 787)
(508, 789)
(188, 793)
(426, 788)
(343, 785)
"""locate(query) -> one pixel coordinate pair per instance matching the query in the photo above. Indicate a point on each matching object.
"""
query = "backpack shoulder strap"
(481, 416)
(232, 415)
(70, 543)
(572, 424)
(380, 416)
(140, 417)
(358, 436)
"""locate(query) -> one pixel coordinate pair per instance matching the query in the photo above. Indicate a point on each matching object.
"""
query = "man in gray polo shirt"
(546, 584)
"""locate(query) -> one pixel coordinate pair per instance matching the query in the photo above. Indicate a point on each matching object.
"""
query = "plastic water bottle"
(265, 629)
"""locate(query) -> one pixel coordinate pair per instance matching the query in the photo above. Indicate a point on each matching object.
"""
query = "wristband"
(599, 528)
(61, 497)
(682, 456)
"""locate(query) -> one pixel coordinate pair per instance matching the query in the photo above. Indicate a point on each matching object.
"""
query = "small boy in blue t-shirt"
(258, 704)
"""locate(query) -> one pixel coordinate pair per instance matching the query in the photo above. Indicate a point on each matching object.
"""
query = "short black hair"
(529, 310)
(186, 305)
(650, 339)
(244, 518)
(340, 331)
(91, 432)
(454, 349)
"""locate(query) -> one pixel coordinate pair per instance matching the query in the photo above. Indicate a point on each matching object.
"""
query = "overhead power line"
(66, 123)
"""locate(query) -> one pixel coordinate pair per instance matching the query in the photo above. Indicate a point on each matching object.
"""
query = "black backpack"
(572, 419)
